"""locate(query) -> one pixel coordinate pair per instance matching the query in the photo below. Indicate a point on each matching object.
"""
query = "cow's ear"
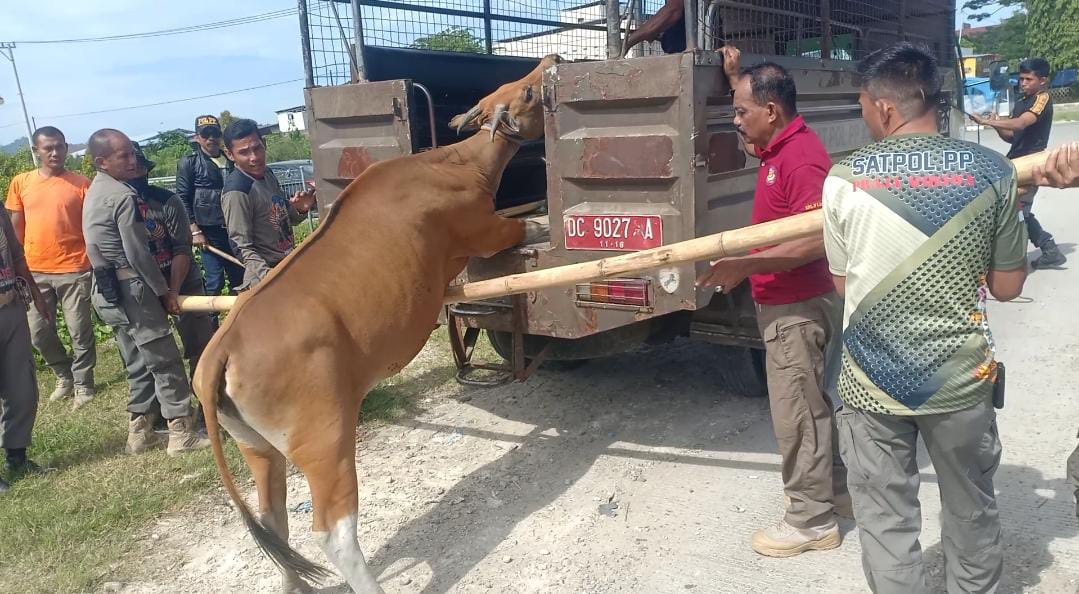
(469, 120)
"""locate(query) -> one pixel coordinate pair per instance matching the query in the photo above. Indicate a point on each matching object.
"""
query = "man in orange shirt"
(46, 211)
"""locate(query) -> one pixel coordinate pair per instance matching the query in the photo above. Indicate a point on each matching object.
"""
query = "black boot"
(18, 465)
(1051, 256)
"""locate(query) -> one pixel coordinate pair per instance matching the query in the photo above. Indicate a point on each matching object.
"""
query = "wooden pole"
(204, 303)
(222, 254)
(718, 245)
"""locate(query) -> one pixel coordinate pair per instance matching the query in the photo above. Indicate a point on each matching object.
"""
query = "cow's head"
(515, 108)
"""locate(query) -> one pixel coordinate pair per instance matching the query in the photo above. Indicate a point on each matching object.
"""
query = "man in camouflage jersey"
(919, 229)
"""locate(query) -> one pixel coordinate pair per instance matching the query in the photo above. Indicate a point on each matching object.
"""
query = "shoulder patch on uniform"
(1040, 102)
(237, 181)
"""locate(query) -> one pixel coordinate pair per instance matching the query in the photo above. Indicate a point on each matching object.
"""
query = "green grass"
(62, 531)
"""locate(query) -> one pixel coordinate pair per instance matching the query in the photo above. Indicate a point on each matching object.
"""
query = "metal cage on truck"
(647, 140)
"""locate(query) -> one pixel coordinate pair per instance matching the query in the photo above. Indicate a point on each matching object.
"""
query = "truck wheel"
(502, 343)
(760, 375)
(745, 375)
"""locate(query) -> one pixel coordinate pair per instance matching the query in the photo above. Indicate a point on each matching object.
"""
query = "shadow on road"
(678, 401)
(1035, 511)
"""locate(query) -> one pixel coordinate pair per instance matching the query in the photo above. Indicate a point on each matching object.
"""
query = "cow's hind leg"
(328, 460)
(268, 470)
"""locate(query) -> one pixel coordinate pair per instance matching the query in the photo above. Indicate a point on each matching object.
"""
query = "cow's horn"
(499, 116)
(468, 116)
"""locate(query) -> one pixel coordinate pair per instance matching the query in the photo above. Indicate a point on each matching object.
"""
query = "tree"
(984, 5)
(12, 165)
(166, 151)
(227, 118)
(1008, 39)
(287, 147)
(1054, 31)
(453, 39)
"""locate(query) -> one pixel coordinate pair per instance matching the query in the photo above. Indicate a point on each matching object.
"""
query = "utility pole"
(7, 49)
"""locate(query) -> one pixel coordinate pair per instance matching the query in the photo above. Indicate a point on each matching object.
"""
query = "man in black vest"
(200, 176)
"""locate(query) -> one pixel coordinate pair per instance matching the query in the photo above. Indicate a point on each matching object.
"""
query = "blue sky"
(76, 78)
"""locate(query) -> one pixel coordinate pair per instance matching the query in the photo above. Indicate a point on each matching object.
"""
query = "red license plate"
(623, 233)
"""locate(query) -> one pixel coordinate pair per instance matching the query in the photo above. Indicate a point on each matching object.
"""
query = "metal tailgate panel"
(617, 137)
(356, 125)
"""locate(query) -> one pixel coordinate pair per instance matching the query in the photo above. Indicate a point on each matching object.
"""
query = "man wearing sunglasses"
(199, 179)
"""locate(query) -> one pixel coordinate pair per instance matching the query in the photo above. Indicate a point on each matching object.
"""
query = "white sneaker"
(64, 388)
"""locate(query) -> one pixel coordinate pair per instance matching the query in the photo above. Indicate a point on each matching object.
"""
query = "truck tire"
(745, 375)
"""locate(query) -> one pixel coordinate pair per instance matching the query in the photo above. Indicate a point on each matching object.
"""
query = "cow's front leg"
(536, 232)
(500, 234)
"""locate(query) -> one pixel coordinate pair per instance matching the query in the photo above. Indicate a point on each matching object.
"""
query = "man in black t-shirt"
(1028, 132)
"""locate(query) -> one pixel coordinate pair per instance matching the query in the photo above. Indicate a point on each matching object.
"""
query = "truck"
(639, 151)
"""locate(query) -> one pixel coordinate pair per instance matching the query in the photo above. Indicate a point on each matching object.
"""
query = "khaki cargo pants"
(70, 291)
(796, 339)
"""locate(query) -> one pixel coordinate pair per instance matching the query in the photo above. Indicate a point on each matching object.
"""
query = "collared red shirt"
(790, 181)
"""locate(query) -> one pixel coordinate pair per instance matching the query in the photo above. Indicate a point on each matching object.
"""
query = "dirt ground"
(641, 473)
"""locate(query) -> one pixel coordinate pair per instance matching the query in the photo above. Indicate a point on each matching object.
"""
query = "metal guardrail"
(168, 182)
(291, 182)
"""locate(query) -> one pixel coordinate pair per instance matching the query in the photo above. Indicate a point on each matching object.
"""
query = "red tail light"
(632, 292)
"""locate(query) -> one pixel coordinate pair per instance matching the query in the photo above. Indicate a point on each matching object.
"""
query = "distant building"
(975, 65)
(968, 30)
(292, 119)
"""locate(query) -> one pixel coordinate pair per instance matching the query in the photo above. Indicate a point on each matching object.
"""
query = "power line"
(266, 16)
(115, 109)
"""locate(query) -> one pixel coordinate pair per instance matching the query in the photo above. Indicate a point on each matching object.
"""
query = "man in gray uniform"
(169, 231)
(258, 216)
(18, 380)
(131, 295)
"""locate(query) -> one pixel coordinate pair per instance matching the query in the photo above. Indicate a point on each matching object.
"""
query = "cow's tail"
(210, 388)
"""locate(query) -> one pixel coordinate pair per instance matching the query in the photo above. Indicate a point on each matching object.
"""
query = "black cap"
(141, 157)
(207, 121)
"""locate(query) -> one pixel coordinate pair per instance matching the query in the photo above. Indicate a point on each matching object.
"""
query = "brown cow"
(287, 372)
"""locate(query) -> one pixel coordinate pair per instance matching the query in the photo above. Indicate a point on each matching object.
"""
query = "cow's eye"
(528, 93)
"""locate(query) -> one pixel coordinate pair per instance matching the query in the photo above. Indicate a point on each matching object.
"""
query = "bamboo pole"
(206, 303)
(718, 245)
(222, 254)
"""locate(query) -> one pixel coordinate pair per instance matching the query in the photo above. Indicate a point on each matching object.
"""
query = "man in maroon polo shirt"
(798, 311)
